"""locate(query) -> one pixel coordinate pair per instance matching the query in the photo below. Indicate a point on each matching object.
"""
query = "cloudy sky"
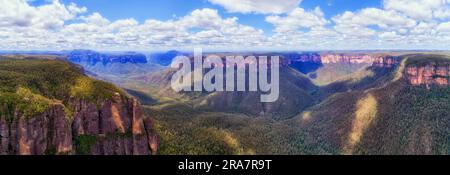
(224, 24)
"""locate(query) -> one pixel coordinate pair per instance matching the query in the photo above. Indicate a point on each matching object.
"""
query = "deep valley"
(330, 103)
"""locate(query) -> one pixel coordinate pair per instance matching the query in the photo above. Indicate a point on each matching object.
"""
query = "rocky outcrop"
(429, 75)
(386, 61)
(375, 60)
(342, 58)
(46, 133)
(111, 127)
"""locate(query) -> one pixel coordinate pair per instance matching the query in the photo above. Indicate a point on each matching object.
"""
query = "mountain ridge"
(49, 106)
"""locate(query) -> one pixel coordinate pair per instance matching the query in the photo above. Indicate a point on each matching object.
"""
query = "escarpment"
(50, 107)
(429, 75)
(46, 133)
(117, 127)
(431, 71)
(375, 60)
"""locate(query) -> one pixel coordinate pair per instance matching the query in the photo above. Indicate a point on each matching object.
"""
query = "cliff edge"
(51, 107)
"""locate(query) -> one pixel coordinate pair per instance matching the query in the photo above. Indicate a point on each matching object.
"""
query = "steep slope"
(295, 95)
(399, 117)
(184, 131)
(325, 68)
(51, 107)
(297, 91)
(383, 105)
(432, 72)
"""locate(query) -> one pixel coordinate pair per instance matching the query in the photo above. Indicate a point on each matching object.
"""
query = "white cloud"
(374, 17)
(444, 27)
(400, 24)
(95, 18)
(298, 18)
(389, 35)
(18, 13)
(354, 31)
(258, 6)
(205, 19)
(48, 27)
(58, 26)
(424, 28)
(420, 9)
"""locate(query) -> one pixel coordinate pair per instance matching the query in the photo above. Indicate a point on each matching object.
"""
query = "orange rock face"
(379, 61)
(429, 75)
(117, 125)
(48, 132)
(387, 61)
(339, 58)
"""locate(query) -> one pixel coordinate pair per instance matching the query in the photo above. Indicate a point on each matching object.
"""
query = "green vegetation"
(329, 73)
(179, 135)
(395, 118)
(416, 121)
(427, 59)
(25, 101)
(118, 134)
(371, 111)
(83, 144)
(187, 131)
(93, 90)
(31, 85)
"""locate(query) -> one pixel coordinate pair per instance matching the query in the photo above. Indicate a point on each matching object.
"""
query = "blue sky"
(225, 24)
(142, 10)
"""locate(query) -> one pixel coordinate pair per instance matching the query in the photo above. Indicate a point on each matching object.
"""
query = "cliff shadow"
(142, 97)
(306, 67)
(369, 78)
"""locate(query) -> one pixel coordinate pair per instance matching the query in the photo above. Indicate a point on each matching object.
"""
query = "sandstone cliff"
(428, 75)
(375, 60)
(49, 106)
(115, 127)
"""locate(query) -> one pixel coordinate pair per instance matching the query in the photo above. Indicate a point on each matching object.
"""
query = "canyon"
(369, 103)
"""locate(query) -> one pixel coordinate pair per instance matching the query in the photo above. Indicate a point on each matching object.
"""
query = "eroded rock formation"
(46, 133)
(375, 60)
(429, 75)
(111, 127)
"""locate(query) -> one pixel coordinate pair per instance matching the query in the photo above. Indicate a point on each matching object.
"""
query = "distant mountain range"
(165, 58)
(112, 67)
(92, 58)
